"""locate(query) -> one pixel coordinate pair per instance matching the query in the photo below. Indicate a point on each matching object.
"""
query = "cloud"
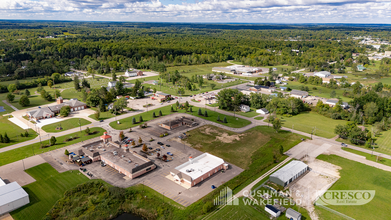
(252, 11)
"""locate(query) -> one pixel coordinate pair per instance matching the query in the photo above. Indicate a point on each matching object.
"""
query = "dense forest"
(43, 48)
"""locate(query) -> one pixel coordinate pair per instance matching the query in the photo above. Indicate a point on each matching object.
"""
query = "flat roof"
(122, 158)
(200, 165)
(289, 170)
(11, 192)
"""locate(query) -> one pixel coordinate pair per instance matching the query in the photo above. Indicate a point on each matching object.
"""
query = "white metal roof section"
(289, 170)
(11, 192)
(2, 183)
(200, 165)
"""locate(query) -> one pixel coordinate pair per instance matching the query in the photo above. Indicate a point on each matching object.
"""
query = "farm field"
(66, 125)
(307, 121)
(50, 186)
(147, 116)
(364, 178)
(34, 149)
(14, 132)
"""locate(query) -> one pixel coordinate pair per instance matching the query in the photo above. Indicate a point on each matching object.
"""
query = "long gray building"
(288, 173)
(12, 196)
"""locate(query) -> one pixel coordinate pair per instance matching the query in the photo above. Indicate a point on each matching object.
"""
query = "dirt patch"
(208, 130)
(226, 138)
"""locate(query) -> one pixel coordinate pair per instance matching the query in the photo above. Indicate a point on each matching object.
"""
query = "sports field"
(50, 186)
(358, 176)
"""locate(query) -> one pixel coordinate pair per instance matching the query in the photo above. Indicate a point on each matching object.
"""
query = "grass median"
(65, 125)
(33, 149)
(212, 116)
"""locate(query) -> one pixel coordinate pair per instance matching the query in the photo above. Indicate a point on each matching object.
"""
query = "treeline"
(231, 99)
(111, 49)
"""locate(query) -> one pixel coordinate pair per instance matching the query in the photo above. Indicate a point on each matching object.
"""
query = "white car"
(162, 146)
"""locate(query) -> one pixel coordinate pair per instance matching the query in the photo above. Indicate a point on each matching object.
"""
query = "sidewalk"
(13, 107)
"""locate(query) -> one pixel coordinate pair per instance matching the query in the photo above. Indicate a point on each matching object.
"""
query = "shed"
(263, 111)
(273, 211)
(292, 214)
(12, 196)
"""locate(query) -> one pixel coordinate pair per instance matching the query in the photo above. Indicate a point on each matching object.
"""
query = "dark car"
(157, 149)
(344, 145)
(160, 143)
(101, 121)
(150, 148)
(167, 145)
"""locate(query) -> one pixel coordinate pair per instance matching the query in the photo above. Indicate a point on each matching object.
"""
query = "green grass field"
(14, 132)
(320, 90)
(66, 125)
(34, 149)
(307, 121)
(239, 149)
(358, 176)
(50, 186)
(374, 157)
(240, 211)
(147, 116)
(259, 118)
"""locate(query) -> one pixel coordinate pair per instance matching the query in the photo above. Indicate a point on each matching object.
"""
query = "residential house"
(333, 102)
(133, 72)
(262, 111)
(298, 93)
(259, 88)
(245, 108)
(111, 84)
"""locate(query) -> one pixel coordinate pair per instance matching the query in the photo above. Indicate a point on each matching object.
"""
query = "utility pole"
(39, 133)
(24, 168)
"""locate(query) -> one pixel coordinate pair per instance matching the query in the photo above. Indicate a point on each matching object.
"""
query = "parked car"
(157, 149)
(101, 121)
(344, 145)
(169, 153)
(162, 147)
(160, 143)
(167, 145)
(150, 148)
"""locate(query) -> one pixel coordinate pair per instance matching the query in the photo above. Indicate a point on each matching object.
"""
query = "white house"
(322, 74)
(244, 108)
(111, 84)
(273, 211)
(133, 72)
(263, 111)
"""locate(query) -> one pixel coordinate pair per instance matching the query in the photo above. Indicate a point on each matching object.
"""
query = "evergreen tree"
(191, 109)
(172, 109)
(26, 134)
(218, 118)
(206, 114)
(22, 134)
(153, 115)
(160, 113)
(27, 92)
(53, 140)
(199, 111)
(1, 139)
(141, 119)
(225, 120)
(133, 120)
(6, 138)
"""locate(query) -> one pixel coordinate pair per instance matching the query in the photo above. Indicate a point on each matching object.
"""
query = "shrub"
(24, 101)
(53, 140)
(141, 118)
(153, 115)
(64, 112)
(26, 134)
(208, 206)
(225, 120)
(160, 113)
(199, 112)
(21, 134)
(66, 152)
(133, 120)
(6, 138)
(218, 118)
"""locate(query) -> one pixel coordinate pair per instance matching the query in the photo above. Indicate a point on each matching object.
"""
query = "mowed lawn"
(66, 125)
(34, 149)
(308, 121)
(49, 187)
(384, 142)
(358, 176)
(239, 148)
(374, 157)
(14, 132)
(147, 116)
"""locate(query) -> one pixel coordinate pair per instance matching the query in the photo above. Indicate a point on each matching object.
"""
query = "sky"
(230, 11)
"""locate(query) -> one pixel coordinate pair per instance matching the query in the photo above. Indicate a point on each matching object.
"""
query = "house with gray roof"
(51, 111)
(289, 173)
